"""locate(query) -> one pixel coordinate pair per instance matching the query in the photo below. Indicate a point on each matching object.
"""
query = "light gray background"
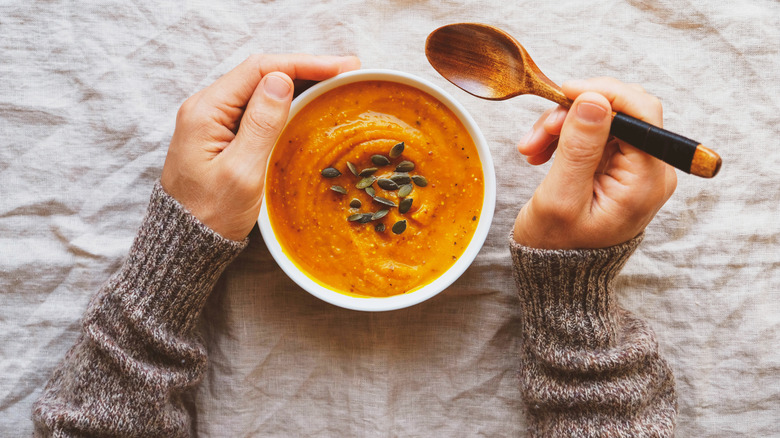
(88, 96)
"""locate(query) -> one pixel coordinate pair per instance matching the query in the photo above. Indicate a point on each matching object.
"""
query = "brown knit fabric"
(588, 367)
(137, 351)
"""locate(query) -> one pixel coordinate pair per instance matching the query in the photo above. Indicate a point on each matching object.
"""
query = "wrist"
(559, 227)
(526, 235)
(547, 232)
(211, 208)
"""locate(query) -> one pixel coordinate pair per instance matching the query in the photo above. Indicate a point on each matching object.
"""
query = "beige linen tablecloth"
(88, 97)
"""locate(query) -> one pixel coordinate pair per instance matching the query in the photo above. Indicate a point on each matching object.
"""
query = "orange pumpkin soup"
(341, 221)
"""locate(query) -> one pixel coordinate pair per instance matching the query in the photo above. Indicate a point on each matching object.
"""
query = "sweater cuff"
(566, 295)
(172, 267)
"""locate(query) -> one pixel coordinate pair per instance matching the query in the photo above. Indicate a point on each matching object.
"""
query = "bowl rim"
(379, 304)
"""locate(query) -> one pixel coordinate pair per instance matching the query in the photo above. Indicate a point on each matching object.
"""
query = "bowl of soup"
(379, 193)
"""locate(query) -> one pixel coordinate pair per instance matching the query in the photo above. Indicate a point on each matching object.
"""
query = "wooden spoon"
(487, 62)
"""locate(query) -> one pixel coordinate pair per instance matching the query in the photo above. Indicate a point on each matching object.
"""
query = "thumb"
(580, 148)
(264, 117)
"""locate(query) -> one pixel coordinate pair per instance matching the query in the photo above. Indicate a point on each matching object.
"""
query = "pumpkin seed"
(352, 168)
(399, 227)
(360, 218)
(380, 214)
(420, 180)
(330, 172)
(384, 201)
(404, 166)
(365, 182)
(339, 189)
(405, 190)
(397, 150)
(380, 160)
(405, 205)
(387, 184)
(401, 178)
(370, 191)
(355, 203)
(367, 172)
(380, 227)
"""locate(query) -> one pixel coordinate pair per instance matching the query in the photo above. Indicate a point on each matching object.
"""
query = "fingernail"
(590, 112)
(554, 116)
(276, 87)
(526, 138)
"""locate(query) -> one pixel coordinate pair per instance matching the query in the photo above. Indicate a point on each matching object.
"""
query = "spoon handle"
(681, 152)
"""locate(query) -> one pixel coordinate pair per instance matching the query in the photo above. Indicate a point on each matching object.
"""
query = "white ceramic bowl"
(463, 262)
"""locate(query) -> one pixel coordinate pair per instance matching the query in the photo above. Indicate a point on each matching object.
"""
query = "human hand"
(224, 134)
(598, 192)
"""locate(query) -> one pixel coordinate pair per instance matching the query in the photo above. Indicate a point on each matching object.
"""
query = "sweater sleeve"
(587, 367)
(137, 351)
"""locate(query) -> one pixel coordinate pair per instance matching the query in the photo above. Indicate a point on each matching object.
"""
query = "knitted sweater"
(588, 368)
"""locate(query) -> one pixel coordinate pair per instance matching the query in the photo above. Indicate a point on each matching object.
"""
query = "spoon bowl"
(489, 63)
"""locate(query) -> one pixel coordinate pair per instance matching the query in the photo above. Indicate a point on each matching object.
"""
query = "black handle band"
(660, 143)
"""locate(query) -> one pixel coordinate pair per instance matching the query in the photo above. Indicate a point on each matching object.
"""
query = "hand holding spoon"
(488, 63)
